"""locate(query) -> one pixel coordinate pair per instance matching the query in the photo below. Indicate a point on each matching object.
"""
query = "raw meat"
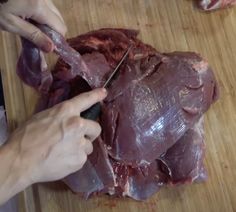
(183, 161)
(32, 67)
(167, 95)
(152, 118)
(215, 4)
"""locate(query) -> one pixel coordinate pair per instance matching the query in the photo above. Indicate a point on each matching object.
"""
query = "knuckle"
(64, 107)
(81, 123)
(6, 23)
(91, 95)
(73, 122)
(9, 20)
(35, 36)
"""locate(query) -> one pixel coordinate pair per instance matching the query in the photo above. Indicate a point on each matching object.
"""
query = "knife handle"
(92, 113)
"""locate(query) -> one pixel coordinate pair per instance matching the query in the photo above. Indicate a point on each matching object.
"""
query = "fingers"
(19, 26)
(70, 110)
(55, 10)
(80, 103)
(45, 13)
(77, 161)
(86, 146)
(77, 152)
(79, 155)
(88, 99)
(81, 128)
(91, 130)
(49, 17)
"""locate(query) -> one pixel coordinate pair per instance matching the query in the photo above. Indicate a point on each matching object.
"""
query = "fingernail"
(47, 46)
(104, 90)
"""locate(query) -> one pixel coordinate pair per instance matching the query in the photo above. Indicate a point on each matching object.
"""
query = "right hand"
(56, 142)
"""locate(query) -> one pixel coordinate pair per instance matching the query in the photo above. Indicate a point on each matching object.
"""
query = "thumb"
(51, 18)
(27, 30)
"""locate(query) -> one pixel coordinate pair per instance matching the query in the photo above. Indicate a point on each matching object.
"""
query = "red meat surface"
(151, 120)
(215, 4)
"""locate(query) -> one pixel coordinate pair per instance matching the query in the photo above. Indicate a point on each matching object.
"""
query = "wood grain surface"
(168, 25)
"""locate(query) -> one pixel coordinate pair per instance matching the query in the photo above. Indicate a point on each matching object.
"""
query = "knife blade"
(93, 112)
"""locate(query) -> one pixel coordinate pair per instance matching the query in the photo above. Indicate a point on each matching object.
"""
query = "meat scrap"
(152, 119)
(215, 4)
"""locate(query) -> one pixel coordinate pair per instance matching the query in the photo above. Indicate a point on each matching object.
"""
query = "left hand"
(14, 12)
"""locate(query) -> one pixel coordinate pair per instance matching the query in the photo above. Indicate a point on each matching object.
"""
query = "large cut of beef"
(152, 119)
(215, 4)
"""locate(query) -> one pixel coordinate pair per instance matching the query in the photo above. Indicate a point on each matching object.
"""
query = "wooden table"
(168, 25)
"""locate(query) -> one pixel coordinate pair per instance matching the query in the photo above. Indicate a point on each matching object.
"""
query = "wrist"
(15, 178)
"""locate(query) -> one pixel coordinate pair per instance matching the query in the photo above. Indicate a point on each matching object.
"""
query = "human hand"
(14, 12)
(56, 142)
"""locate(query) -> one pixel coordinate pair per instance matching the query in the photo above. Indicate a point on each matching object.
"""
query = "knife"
(93, 112)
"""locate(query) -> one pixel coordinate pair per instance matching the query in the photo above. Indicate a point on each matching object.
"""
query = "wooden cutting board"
(168, 25)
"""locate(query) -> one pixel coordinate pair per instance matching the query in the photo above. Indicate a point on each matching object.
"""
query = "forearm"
(12, 174)
(50, 146)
